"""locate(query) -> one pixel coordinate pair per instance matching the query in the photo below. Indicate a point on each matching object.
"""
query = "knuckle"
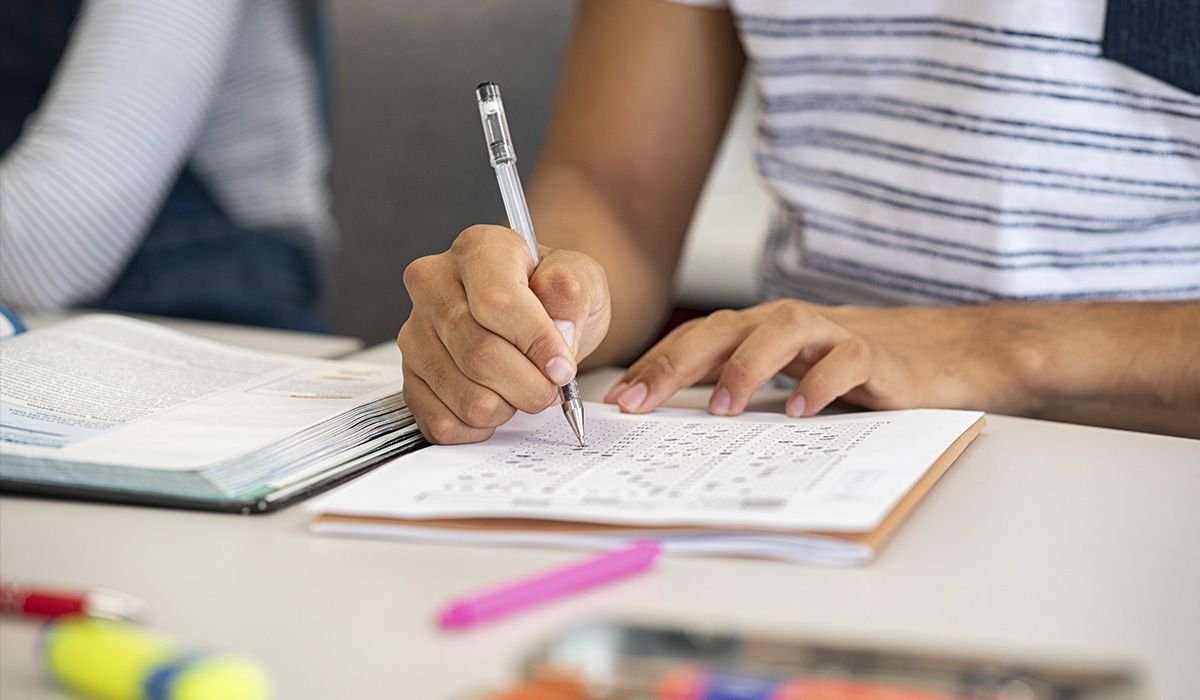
(482, 357)
(566, 289)
(739, 371)
(562, 290)
(420, 272)
(443, 430)
(791, 313)
(724, 318)
(482, 408)
(471, 237)
(818, 384)
(665, 367)
(493, 303)
(860, 351)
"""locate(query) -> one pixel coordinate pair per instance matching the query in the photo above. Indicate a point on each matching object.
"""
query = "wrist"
(1022, 354)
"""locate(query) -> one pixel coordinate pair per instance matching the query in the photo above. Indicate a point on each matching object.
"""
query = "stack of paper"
(119, 409)
(821, 490)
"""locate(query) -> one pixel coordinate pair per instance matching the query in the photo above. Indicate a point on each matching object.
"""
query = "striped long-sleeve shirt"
(224, 87)
(948, 151)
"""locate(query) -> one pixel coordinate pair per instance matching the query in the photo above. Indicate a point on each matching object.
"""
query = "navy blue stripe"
(909, 20)
(772, 66)
(1162, 219)
(808, 34)
(988, 264)
(991, 216)
(781, 287)
(959, 82)
(789, 139)
(839, 135)
(952, 126)
(783, 102)
(806, 217)
(945, 290)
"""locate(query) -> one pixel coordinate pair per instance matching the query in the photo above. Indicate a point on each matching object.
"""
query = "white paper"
(672, 467)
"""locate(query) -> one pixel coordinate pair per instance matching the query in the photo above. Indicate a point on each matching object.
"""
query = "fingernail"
(614, 392)
(559, 370)
(718, 405)
(633, 397)
(567, 328)
(796, 406)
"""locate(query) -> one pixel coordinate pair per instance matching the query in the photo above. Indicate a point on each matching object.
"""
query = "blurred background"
(216, 208)
(409, 168)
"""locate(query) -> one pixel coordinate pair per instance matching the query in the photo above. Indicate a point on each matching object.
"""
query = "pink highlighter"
(557, 583)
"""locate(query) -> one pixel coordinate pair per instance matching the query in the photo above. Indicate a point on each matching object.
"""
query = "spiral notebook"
(827, 490)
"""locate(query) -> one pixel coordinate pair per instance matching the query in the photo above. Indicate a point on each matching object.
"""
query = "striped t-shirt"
(224, 87)
(951, 151)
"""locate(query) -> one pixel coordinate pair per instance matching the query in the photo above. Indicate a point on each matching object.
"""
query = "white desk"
(1043, 538)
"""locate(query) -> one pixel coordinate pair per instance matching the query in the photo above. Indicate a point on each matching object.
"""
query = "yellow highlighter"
(115, 661)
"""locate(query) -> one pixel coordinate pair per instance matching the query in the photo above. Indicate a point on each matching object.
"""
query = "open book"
(113, 408)
(820, 490)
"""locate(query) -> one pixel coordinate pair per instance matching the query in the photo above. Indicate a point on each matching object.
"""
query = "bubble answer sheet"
(695, 474)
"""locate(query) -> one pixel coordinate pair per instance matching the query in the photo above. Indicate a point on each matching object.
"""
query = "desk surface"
(1044, 538)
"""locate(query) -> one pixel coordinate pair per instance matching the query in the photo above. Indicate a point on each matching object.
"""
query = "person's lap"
(197, 263)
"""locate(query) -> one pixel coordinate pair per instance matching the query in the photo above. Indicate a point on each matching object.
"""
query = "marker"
(557, 583)
(29, 601)
(115, 661)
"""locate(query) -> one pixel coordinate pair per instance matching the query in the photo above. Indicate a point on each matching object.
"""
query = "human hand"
(876, 358)
(489, 335)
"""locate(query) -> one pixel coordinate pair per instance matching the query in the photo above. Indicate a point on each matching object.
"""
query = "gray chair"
(410, 170)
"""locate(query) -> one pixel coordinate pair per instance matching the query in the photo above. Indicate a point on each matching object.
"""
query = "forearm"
(635, 128)
(1120, 364)
(1127, 365)
(572, 212)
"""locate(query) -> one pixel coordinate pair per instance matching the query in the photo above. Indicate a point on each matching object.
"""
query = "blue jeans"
(197, 263)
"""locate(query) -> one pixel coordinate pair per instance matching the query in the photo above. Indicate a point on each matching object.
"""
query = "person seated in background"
(984, 206)
(163, 157)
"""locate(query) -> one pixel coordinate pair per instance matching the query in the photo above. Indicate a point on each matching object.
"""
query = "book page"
(672, 467)
(112, 390)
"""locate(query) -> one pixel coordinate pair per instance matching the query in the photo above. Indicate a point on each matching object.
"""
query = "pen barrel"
(570, 392)
(516, 208)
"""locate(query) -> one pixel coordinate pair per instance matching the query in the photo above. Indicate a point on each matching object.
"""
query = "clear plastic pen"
(504, 159)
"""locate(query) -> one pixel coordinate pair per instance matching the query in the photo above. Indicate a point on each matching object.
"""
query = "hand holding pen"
(496, 327)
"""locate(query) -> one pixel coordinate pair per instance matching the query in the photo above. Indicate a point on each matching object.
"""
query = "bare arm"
(1118, 364)
(644, 100)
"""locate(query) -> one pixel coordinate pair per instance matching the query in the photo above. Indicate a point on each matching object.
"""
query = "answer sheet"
(672, 467)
